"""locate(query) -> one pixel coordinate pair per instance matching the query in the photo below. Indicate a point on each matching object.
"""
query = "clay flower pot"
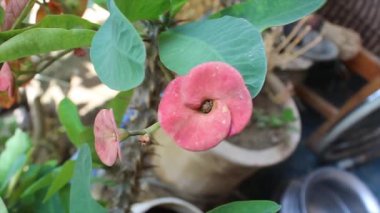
(209, 176)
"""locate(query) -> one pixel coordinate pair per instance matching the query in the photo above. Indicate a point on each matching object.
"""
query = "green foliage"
(67, 22)
(232, 40)
(3, 208)
(268, 13)
(43, 40)
(259, 206)
(119, 105)
(142, 9)
(61, 179)
(80, 196)
(69, 118)
(176, 6)
(118, 53)
(41, 183)
(13, 157)
(274, 120)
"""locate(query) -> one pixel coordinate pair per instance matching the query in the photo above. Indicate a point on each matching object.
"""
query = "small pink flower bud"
(6, 79)
(107, 137)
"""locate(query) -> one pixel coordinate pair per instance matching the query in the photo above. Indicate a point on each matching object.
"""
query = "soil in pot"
(269, 126)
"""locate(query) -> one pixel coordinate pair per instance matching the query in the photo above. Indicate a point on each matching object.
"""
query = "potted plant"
(209, 71)
(275, 128)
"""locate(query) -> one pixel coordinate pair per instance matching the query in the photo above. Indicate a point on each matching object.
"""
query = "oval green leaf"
(53, 21)
(268, 13)
(118, 53)
(119, 105)
(256, 206)
(228, 39)
(61, 179)
(80, 196)
(44, 40)
(69, 117)
(143, 9)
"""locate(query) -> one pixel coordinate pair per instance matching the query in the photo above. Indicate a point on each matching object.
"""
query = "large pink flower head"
(207, 105)
(107, 137)
(6, 79)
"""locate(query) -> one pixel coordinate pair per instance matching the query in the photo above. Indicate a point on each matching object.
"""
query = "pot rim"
(346, 178)
(265, 157)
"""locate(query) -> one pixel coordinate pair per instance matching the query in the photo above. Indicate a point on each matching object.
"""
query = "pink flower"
(107, 137)
(6, 79)
(202, 108)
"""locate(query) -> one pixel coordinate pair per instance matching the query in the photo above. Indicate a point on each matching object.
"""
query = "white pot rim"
(265, 157)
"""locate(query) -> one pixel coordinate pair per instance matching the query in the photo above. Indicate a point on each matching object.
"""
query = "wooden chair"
(366, 65)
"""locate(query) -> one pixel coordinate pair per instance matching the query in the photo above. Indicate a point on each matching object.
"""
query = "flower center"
(206, 106)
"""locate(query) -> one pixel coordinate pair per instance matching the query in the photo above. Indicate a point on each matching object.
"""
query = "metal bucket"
(329, 190)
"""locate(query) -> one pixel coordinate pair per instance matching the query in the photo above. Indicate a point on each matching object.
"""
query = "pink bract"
(107, 137)
(6, 79)
(180, 112)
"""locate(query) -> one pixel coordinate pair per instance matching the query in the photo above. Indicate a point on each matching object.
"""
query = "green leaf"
(119, 105)
(43, 182)
(142, 9)
(228, 39)
(61, 179)
(118, 53)
(176, 6)
(43, 40)
(14, 172)
(260, 206)
(288, 115)
(80, 196)
(69, 118)
(15, 149)
(268, 13)
(68, 22)
(3, 208)
(87, 136)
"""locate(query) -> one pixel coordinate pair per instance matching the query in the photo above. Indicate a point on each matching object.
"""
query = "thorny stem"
(149, 130)
(50, 62)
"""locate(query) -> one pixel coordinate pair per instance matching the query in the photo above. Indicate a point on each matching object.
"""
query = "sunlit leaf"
(44, 40)
(67, 22)
(142, 9)
(268, 13)
(118, 53)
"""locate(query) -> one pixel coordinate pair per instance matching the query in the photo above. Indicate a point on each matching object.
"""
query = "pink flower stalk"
(6, 79)
(107, 137)
(202, 108)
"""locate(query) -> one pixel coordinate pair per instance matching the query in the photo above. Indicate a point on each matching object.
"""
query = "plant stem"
(148, 130)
